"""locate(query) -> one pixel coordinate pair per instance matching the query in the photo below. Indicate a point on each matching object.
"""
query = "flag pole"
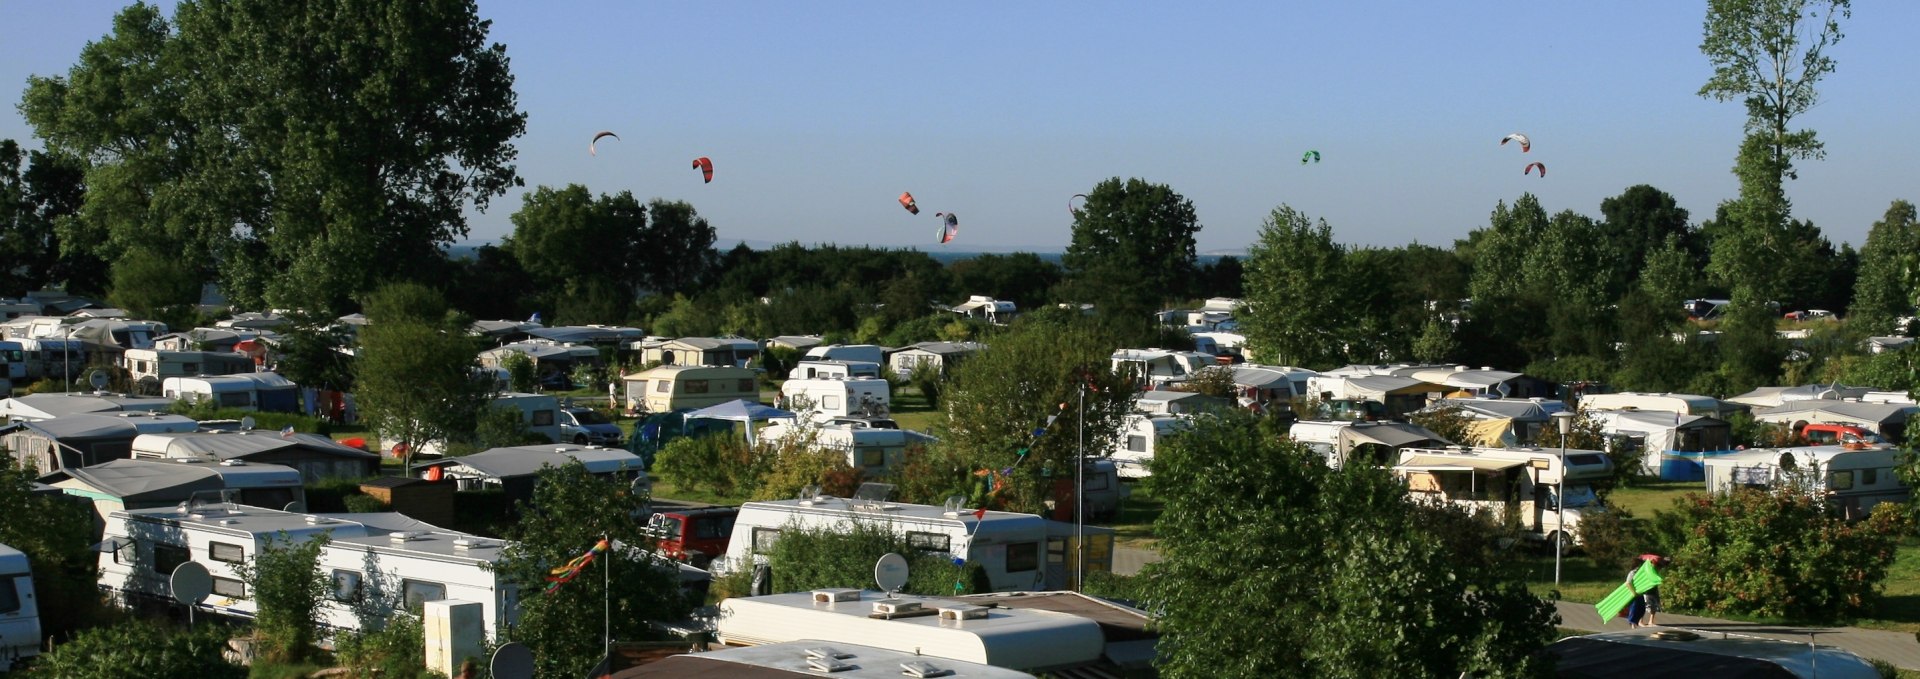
(606, 598)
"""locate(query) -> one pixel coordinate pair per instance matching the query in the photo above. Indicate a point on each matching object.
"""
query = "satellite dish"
(295, 507)
(890, 573)
(190, 583)
(246, 423)
(99, 379)
(512, 661)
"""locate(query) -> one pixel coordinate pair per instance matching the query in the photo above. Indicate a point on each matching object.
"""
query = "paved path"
(1129, 560)
(1899, 648)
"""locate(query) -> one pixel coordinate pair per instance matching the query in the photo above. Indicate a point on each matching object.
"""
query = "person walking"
(1652, 596)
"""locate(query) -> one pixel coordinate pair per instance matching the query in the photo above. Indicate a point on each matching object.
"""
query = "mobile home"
(1019, 552)
(1159, 366)
(1526, 483)
(684, 387)
(823, 399)
(876, 452)
(19, 609)
(1855, 478)
(868, 353)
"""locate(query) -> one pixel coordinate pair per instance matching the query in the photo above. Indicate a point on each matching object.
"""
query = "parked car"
(587, 427)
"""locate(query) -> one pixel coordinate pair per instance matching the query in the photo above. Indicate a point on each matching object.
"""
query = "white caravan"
(19, 612)
(876, 452)
(227, 392)
(1139, 438)
(822, 399)
(812, 368)
(1855, 478)
(1020, 552)
(378, 563)
(1524, 481)
(848, 352)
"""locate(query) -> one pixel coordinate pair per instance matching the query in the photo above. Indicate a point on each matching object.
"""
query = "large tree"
(1132, 249)
(415, 371)
(1882, 290)
(1275, 565)
(1636, 223)
(1769, 54)
(38, 191)
(1295, 291)
(301, 151)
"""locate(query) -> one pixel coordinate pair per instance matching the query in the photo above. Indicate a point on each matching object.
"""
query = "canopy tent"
(742, 410)
(1391, 435)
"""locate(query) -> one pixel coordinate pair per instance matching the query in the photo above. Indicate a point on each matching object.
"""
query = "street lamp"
(1563, 420)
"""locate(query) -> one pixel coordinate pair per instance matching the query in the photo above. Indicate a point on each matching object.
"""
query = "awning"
(1387, 435)
(1455, 463)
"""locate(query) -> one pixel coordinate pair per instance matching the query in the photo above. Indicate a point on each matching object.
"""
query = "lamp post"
(1079, 502)
(66, 364)
(1563, 420)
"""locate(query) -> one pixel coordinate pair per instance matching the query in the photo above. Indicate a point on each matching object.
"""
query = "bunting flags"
(564, 574)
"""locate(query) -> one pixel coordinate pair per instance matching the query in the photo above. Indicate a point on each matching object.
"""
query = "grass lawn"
(910, 409)
(1134, 526)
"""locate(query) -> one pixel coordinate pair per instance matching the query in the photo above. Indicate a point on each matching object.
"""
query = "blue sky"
(817, 115)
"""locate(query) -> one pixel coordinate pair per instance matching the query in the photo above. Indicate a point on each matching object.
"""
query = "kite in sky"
(705, 167)
(906, 201)
(1529, 170)
(1310, 155)
(1075, 209)
(596, 139)
(949, 226)
(1525, 143)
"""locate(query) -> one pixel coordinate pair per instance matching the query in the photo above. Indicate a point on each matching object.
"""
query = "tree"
(141, 648)
(1132, 249)
(34, 199)
(1295, 292)
(285, 581)
(1028, 378)
(1022, 277)
(1777, 553)
(1634, 225)
(55, 541)
(676, 251)
(415, 371)
(570, 511)
(1883, 291)
(1367, 582)
(304, 151)
(1769, 54)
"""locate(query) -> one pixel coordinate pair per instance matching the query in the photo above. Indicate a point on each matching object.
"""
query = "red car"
(694, 534)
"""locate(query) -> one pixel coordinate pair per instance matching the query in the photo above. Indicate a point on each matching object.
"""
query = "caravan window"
(236, 399)
(542, 418)
(930, 542)
(346, 586)
(1023, 556)
(168, 557)
(189, 368)
(665, 387)
(746, 386)
(1869, 477)
(221, 551)
(1097, 480)
(229, 587)
(9, 594)
(873, 457)
(1840, 480)
(763, 539)
(418, 592)
(1136, 443)
(695, 387)
(830, 403)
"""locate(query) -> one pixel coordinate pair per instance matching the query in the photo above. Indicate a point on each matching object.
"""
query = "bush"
(207, 410)
(816, 558)
(286, 582)
(141, 649)
(394, 651)
(720, 464)
(1608, 538)
(798, 466)
(1778, 553)
(928, 378)
(520, 372)
(330, 494)
(362, 503)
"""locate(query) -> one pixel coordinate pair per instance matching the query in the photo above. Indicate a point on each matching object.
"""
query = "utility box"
(456, 631)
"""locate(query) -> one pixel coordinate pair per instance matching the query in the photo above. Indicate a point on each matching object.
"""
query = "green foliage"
(152, 284)
(1449, 421)
(1436, 343)
(719, 464)
(32, 204)
(141, 649)
(1609, 538)
(262, 421)
(520, 377)
(806, 558)
(930, 381)
(1361, 581)
(996, 399)
(1883, 290)
(284, 579)
(591, 253)
(1293, 292)
(1777, 553)
(310, 354)
(304, 198)
(395, 650)
(1215, 381)
(796, 464)
(569, 512)
(56, 543)
(361, 503)
(1132, 248)
(416, 369)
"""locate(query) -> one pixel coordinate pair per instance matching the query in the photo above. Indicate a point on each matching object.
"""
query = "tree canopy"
(1132, 248)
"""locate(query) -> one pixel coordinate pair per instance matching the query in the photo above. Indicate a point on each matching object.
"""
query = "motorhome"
(59, 358)
(1854, 477)
(873, 451)
(937, 630)
(19, 610)
(1140, 436)
(822, 399)
(1019, 552)
(13, 362)
(377, 563)
(685, 387)
(1525, 484)
(810, 368)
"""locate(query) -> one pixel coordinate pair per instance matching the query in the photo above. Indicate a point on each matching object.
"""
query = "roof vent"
(834, 596)
(1676, 635)
(963, 613)
(561, 449)
(470, 543)
(828, 652)
(827, 665)
(403, 536)
(922, 668)
(229, 522)
(886, 607)
(233, 463)
(318, 520)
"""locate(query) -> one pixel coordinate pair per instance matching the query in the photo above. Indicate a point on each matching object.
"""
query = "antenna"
(890, 573)
(809, 492)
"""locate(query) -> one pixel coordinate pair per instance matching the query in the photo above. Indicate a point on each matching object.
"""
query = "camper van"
(874, 451)
(684, 387)
(13, 361)
(1139, 438)
(376, 562)
(19, 611)
(1853, 477)
(1521, 482)
(1019, 552)
(42, 357)
(809, 369)
(822, 399)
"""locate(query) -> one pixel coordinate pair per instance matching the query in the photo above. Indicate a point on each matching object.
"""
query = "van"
(822, 399)
(1820, 434)
(19, 613)
(683, 387)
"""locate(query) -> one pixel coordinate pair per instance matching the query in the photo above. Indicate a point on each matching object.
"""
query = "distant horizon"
(943, 253)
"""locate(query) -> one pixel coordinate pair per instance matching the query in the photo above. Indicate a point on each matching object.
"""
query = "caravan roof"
(163, 481)
(1021, 639)
(516, 461)
(230, 445)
